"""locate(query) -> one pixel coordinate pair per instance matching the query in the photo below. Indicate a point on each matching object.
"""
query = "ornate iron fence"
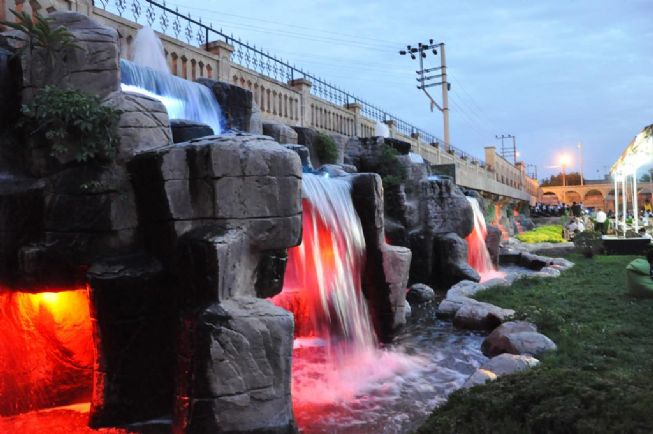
(181, 26)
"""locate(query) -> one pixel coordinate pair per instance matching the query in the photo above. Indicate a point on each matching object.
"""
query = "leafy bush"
(392, 171)
(72, 121)
(542, 234)
(326, 149)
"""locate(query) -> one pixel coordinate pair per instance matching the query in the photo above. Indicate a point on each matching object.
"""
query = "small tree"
(392, 171)
(326, 148)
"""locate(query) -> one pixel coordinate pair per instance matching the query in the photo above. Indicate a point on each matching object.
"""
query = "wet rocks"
(236, 103)
(504, 364)
(516, 337)
(280, 132)
(493, 243)
(481, 316)
(184, 130)
(420, 293)
(450, 260)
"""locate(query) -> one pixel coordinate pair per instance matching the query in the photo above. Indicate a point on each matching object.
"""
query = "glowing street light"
(564, 162)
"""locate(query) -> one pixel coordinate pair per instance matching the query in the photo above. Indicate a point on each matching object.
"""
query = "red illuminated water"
(477, 254)
(336, 358)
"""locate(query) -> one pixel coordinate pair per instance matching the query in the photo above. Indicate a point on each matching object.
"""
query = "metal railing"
(175, 24)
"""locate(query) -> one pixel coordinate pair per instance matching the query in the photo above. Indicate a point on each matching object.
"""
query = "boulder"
(236, 104)
(481, 376)
(465, 288)
(506, 364)
(481, 316)
(303, 153)
(235, 182)
(450, 260)
(238, 370)
(184, 130)
(444, 209)
(497, 342)
(420, 293)
(93, 67)
(493, 243)
(143, 124)
(255, 121)
(280, 132)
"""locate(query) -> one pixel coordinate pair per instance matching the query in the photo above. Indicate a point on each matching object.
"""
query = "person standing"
(601, 218)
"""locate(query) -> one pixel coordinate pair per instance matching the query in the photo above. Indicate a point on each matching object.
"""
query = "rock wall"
(176, 243)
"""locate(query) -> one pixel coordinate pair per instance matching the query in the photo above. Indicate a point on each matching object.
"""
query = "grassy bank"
(542, 234)
(599, 381)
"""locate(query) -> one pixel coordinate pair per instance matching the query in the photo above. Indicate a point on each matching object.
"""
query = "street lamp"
(564, 162)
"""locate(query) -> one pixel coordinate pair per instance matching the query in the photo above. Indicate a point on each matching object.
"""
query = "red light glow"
(46, 350)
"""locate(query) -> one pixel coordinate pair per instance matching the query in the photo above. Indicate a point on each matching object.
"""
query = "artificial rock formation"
(429, 215)
(92, 66)
(176, 242)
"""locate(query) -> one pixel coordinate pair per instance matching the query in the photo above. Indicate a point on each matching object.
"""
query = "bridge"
(593, 193)
(283, 92)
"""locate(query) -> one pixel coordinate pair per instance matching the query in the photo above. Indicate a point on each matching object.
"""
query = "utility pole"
(424, 81)
(506, 151)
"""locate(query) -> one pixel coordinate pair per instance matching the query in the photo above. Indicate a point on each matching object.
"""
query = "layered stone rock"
(280, 132)
(386, 267)
(143, 123)
(238, 370)
(93, 66)
(184, 130)
(237, 105)
(136, 313)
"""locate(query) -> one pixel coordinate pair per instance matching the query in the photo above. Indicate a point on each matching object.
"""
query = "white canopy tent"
(637, 154)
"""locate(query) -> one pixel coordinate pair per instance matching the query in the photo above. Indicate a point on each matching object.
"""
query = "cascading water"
(149, 75)
(477, 254)
(342, 380)
(322, 284)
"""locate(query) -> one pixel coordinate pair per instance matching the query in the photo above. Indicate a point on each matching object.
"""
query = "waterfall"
(148, 74)
(322, 286)
(147, 50)
(478, 255)
(336, 357)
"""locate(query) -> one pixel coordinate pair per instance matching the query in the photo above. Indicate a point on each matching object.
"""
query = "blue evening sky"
(552, 73)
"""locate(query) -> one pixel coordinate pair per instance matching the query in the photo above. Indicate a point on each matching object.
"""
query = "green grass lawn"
(542, 234)
(599, 381)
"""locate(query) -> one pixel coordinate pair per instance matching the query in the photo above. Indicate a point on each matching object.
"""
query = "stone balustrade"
(292, 103)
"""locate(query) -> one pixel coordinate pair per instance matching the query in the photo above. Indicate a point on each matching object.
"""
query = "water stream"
(477, 253)
(148, 74)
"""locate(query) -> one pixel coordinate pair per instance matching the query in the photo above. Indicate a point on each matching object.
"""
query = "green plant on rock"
(326, 148)
(392, 171)
(40, 35)
(72, 121)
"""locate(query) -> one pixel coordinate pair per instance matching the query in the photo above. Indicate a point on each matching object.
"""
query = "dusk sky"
(552, 73)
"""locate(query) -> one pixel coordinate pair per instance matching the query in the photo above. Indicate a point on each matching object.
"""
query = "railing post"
(224, 52)
(355, 108)
(304, 87)
(392, 126)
